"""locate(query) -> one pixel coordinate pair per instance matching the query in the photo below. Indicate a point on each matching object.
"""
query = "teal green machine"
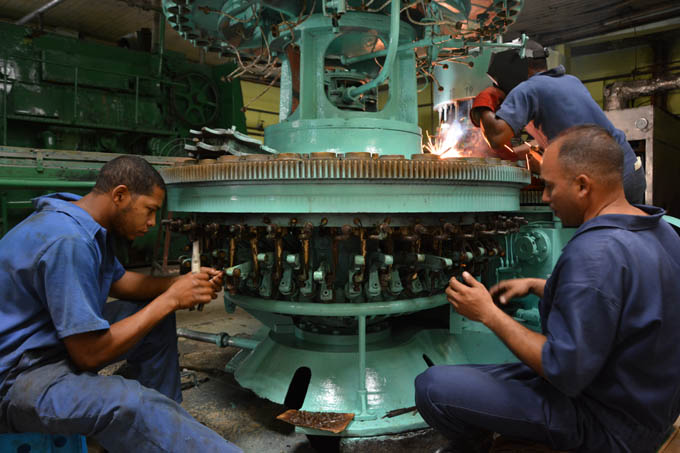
(342, 237)
(68, 105)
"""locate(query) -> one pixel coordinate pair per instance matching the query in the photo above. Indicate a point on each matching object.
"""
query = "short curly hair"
(590, 149)
(131, 171)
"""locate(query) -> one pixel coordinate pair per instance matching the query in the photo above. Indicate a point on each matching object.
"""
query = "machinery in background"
(654, 135)
(28, 173)
(61, 92)
(341, 235)
(91, 99)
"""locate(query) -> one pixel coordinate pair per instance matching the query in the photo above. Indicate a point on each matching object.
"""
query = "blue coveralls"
(57, 269)
(555, 101)
(611, 315)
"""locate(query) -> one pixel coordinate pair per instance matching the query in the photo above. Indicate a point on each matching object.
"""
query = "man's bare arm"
(92, 350)
(526, 344)
(495, 130)
(472, 300)
(136, 286)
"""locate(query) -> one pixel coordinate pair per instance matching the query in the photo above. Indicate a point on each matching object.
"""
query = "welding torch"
(535, 153)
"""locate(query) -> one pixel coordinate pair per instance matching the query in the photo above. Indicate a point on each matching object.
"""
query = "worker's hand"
(191, 289)
(216, 278)
(470, 299)
(535, 162)
(488, 99)
(507, 290)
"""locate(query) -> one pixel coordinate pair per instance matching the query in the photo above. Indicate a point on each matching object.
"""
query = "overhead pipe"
(45, 183)
(392, 47)
(617, 95)
(28, 17)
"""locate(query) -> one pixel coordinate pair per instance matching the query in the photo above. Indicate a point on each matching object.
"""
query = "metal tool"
(196, 263)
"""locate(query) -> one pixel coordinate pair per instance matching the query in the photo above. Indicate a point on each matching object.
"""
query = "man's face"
(137, 213)
(561, 189)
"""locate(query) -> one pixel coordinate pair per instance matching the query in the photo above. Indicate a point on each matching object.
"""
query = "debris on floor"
(335, 422)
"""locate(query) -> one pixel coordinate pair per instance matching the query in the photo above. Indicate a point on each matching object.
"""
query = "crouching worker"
(604, 374)
(56, 329)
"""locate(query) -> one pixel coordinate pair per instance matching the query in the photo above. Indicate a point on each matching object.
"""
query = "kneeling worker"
(604, 374)
(56, 329)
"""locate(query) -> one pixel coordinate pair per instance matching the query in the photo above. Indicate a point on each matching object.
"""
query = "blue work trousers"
(468, 402)
(123, 415)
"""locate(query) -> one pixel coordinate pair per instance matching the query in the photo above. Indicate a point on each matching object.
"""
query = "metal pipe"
(285, 307)
(355, 92)
(28, 17)
(86, 124)
(46, 183)
(221, 339)
(617, 95)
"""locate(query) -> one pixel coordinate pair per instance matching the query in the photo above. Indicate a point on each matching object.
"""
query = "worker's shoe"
(504, 444)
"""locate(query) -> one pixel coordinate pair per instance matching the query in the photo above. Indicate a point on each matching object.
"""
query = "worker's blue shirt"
(611, 315)
(57, 269)
(555, 102)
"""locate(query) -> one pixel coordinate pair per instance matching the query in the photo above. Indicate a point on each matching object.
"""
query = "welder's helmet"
(507, 69)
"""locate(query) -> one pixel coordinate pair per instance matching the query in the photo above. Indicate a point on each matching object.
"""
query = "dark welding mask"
(507, 69)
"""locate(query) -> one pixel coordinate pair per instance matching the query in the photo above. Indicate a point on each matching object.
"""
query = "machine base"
(323, 376)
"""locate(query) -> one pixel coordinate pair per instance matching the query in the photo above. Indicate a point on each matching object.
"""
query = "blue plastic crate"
(42, 443)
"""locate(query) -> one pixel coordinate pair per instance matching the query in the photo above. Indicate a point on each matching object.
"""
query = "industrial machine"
(654, 135)
(69, 105)
(61, 92)
(340, 235)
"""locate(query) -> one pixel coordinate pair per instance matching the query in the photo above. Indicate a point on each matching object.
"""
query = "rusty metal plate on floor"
(334, 422)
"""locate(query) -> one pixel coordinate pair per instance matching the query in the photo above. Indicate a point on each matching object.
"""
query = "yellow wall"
(623, 61)
(428, 119)
(268, 102)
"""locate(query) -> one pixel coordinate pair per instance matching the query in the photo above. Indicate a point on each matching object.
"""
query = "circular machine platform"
(334, 254)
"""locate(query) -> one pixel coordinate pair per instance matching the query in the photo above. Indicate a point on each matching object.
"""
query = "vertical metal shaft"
(362, 365)
(196, 257)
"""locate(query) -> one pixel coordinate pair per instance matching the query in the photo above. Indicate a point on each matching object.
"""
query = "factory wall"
(261, 111)
(598, 70)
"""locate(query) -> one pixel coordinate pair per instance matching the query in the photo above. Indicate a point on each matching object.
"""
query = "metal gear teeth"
(296, 168)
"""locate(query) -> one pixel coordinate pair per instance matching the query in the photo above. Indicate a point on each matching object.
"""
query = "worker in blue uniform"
(604, 373)
(528, 96)
(57, 329)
